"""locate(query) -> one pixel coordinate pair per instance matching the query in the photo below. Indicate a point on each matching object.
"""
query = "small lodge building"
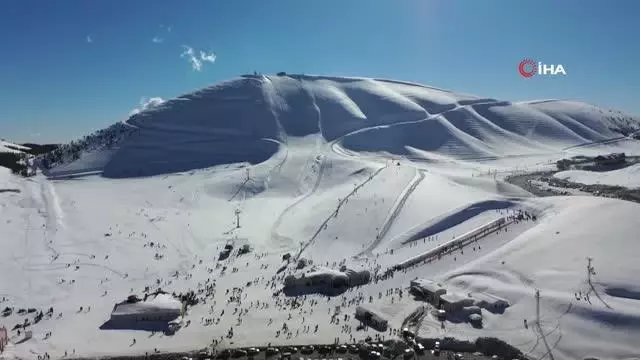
(158, 307)
(489, 302)
(453, 302)
(429, 290)
(610, 159)
(328, 281)
(371, 318)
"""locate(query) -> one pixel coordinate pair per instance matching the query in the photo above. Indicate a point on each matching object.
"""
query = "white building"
(453, 302)
(490, 302)
(327, 280)
(371, 318)
(428, 289)
(160, 307)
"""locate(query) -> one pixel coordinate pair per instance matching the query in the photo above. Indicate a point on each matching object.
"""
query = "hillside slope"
(249, 119)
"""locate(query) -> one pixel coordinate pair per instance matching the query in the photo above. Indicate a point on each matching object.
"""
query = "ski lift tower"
(538, 307)
(237, 212)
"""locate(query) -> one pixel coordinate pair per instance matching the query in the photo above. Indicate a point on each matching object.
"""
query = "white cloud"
(188, 52)
(211, 57)
(169, 29)
(146, 104)
(89, 39)
(157, 40)
(195, 61)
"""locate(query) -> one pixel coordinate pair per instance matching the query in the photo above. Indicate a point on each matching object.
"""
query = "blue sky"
(55, 85)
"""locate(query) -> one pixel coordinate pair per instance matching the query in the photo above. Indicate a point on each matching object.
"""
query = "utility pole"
(237, 212)
(538, 307)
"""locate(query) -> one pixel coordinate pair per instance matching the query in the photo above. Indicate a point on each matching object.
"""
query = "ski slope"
(355, 171)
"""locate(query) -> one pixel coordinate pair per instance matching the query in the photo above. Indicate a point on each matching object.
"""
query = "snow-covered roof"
(323, 272)
(159, 302)
(489, 298)
(428, 285)
(453, 298)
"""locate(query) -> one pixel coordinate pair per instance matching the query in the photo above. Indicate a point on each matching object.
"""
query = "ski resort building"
(611, 159)
(429, 290)
(453, 302)
(489, 302)
(371, 318)
(159, 307)
(328, 281)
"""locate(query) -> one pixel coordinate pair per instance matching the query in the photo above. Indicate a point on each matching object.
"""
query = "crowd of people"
(220, 299)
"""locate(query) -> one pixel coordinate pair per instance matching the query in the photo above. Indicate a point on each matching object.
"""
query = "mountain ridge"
(247, 119)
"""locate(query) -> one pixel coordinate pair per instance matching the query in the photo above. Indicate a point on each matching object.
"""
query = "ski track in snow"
(397, 207)
(336, 212)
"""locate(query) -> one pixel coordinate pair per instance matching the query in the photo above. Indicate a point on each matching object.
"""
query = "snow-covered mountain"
(250, 119)
(358, 172)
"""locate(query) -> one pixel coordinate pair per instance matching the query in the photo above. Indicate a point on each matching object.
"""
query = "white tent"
(160, 307)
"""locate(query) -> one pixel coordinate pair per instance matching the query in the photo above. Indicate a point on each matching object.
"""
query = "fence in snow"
(462, 240)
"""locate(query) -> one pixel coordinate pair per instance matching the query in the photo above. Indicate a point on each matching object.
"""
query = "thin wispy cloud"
(210, 57)
(147, 104)
(197, 62)
(157, 40)
(89, 39)
(189, 54)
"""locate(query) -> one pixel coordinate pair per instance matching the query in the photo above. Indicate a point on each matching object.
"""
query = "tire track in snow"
(395, 211)
(50, 267)
(597, 142)
(51, 207)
